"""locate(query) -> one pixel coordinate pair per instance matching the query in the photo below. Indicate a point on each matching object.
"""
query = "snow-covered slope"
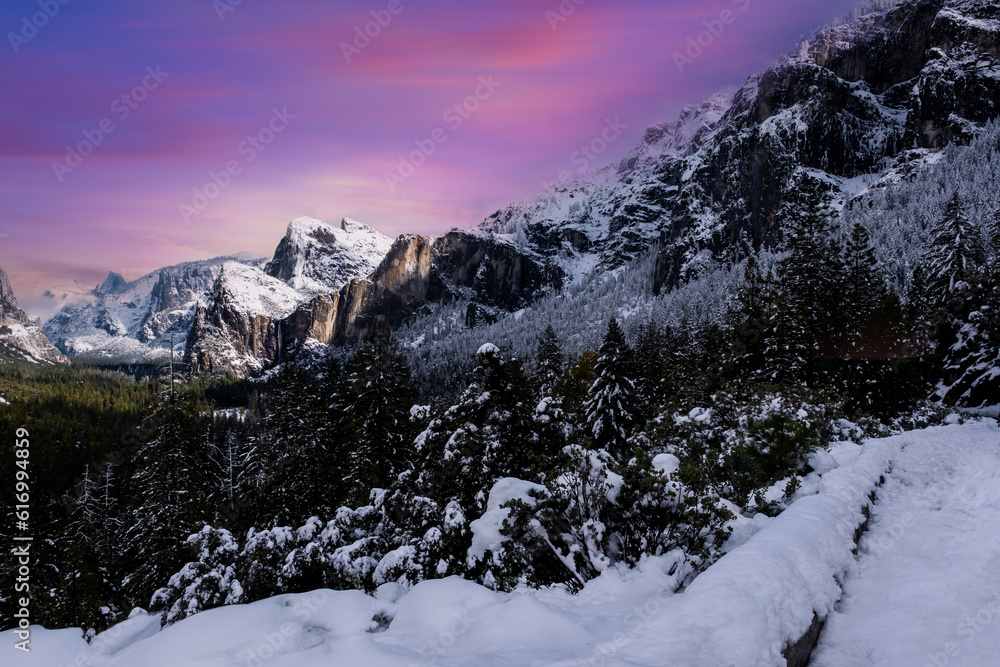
(317, 258)
(740, 612)
(928, 576)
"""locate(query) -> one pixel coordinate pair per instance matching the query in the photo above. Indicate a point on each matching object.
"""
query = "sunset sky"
(164, 93)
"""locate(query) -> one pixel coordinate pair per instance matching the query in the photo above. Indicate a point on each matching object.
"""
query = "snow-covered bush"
(743, 443)
(590, 518)
(208, 582)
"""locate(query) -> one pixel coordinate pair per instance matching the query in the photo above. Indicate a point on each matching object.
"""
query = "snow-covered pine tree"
(295, 462)
(810, 280)
(109, 524)
(554, 425)
(954, 255)
(550, 362)
(972, 305)
(229, 461)
(169, 496)
(488, 434)
(378, 395)
(611, 401)
(206, 582)
(83, 518)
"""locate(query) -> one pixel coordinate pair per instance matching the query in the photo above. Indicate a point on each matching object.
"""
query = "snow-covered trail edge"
(925, 589)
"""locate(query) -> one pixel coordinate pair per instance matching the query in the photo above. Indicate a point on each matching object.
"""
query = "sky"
(140, 134)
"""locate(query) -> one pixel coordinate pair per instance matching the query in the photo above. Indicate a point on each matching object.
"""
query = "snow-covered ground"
(930, 562)
(926, 587)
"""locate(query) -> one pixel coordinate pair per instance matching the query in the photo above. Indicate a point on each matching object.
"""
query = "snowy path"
(926, 587)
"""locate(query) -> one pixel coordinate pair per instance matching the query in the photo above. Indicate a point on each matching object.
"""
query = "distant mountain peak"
(115, 283)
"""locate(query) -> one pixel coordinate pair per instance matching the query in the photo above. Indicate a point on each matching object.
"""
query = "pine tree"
(810, 279)
(864, 295)
(549, 360)
(654, 378)
(169, 488)
(611, 402)
(750, 321)
(295, 462)
(378, 397)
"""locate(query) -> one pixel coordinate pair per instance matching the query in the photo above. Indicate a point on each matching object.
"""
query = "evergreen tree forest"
(538, 471)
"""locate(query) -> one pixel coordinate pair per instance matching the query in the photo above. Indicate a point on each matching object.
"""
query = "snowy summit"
(316, 257)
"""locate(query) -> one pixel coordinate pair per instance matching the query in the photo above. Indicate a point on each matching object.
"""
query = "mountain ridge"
(858, 105)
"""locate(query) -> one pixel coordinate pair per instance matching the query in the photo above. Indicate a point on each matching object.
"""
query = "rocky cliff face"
(239, 329)
(492, 275)
(17, 331)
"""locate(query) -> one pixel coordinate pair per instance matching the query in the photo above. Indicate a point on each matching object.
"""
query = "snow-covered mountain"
(19, 336)
(857, 100)
(136, 320)
(236, 329)
(862, 105)
(315, 257)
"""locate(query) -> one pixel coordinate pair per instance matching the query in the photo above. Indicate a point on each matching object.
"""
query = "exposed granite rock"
(492, 274)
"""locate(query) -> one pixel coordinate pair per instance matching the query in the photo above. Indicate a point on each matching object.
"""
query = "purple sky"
(226, 68)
